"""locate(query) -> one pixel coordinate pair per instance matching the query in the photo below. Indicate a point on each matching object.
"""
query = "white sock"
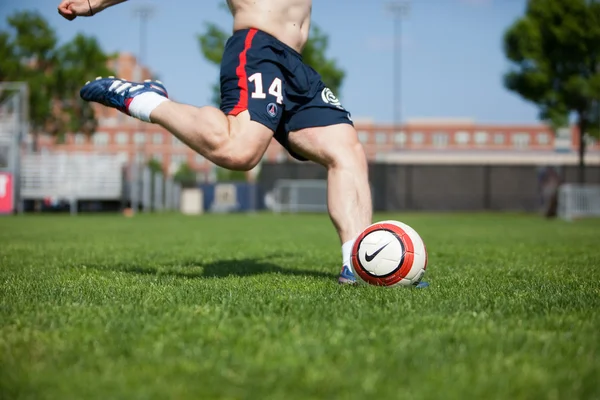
(347, 253)
(143, 104)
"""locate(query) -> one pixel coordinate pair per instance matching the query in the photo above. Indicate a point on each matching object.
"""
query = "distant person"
(266, 92)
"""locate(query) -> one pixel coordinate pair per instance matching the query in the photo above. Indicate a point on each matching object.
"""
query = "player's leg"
(235, 136)
(338, 149)
(232, 142)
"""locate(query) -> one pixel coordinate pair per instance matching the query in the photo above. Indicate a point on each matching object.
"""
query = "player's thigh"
(249, 139)
(251, 133)
(327, 145)
(251, 95)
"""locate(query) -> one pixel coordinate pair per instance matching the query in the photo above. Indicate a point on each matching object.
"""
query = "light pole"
(144, 12)
(399, 9)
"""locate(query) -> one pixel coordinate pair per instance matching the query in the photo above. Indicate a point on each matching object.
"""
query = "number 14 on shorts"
(275, 89)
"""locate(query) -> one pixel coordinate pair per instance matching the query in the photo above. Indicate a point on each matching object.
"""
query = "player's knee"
(358, 153)
(237, 160)
(350, 155)
(243, 162)
(342, 149)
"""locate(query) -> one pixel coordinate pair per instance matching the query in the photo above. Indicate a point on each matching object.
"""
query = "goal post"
(298, 195)
(578, 201)
(13, 129)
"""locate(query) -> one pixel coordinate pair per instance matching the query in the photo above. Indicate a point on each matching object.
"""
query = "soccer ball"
(389, 253)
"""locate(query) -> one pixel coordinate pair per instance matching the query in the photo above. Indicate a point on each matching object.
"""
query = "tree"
(212, 43)
(555, 51)
(185, 175)
(225, 175)
(156, 167)
(29, 51)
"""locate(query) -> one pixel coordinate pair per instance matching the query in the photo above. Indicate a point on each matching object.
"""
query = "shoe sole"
(344, 281)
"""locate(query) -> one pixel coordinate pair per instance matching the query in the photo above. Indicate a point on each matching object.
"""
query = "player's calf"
(232, 142)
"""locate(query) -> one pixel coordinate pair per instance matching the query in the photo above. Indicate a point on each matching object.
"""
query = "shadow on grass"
(216, 269)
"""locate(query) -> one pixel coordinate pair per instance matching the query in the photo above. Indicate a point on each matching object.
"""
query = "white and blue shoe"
(119, 93)
(346, 276)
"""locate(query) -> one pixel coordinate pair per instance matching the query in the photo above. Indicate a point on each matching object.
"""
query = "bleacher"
(72, 176)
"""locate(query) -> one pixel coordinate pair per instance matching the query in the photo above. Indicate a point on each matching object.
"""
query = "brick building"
(136, 140)
(465, 135)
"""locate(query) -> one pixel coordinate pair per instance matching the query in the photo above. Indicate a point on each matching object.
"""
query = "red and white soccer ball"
(389, 253)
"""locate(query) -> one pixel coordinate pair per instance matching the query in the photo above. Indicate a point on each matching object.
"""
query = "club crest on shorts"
(328, 97)
(272, 109)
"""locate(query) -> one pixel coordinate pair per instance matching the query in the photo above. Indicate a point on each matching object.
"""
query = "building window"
(590, 141)
(122, 138)
(109, 121)
(178, 159)
(499, 138)
(100, 139)
(462, 137)
(543, 138)
(363, 136)
(380, 138)
(400, 138)
(139, 138)
(79, 139)
(140, 158)
(158, 157)
(440, 139)
(520, 140)
(564, 133)
(200, 159)
(417, 137)
(157, 138)
(176, 142)
(481, 137)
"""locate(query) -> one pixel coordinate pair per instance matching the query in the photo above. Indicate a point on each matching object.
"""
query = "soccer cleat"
(346, 276)
(119, 93)
(421, 285)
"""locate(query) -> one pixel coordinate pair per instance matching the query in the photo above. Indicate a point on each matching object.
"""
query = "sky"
(452, 62)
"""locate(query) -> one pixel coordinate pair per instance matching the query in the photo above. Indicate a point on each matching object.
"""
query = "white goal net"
(298, 195)
(578, 201)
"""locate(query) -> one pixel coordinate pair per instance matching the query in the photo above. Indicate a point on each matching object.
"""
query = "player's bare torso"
(287, 20)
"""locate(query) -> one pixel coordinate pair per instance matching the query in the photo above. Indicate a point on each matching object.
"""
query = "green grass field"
(247, 306)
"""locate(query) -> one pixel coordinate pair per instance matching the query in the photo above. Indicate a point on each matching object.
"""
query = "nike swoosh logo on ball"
(370, 257)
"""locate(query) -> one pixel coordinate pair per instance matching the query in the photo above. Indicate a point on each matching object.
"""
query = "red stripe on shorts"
(240, 71)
